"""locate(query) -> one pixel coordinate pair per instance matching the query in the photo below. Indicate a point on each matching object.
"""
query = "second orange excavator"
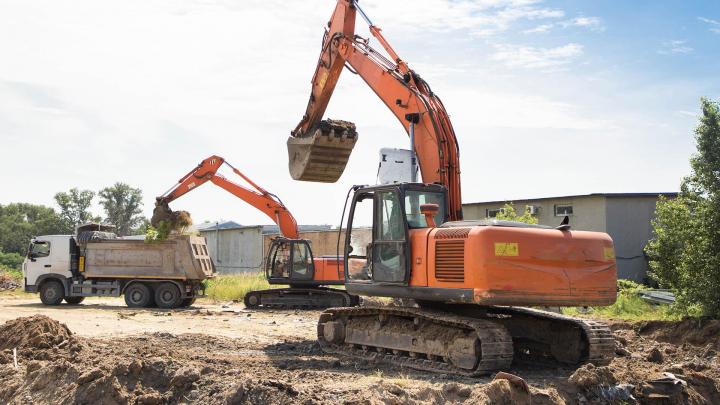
(467, 278)
(289, 259)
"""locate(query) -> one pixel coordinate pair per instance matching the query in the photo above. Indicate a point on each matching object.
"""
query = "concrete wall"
(236, 250)
(629, 225)
(588, 211)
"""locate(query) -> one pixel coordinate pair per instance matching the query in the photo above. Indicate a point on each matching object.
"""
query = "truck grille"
(450, 260)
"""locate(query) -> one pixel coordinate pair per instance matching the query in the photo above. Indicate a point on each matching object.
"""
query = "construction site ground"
(101, 352)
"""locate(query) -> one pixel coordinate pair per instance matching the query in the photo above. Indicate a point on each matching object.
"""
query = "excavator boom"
(402, 90)
(258, 197)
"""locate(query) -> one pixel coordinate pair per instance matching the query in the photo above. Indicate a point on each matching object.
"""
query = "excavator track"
(469, 340)
(421, 339)
(303, 298)
(542, 336)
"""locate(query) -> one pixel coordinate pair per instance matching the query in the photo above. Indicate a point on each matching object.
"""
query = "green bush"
(11, 260)
(685, 249)
(629, 306)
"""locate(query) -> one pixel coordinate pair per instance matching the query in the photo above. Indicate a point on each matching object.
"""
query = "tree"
(685, 249)
(19, 222)
(122, 205)
(508, 214)
(74, 206)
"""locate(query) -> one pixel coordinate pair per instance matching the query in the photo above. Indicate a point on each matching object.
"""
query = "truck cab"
(48, 257)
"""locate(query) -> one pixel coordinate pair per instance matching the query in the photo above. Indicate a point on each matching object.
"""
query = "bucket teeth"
(322, 155)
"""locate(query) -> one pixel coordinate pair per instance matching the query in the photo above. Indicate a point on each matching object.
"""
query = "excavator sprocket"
(304, 298)
(323, 153)
(421, 339)
(469, 341)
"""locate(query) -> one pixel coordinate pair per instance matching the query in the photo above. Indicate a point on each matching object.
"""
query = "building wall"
(236, 250)
(588, 211)
(629, 225)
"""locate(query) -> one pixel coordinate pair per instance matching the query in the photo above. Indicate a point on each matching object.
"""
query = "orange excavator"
(469, 283)
(289, 260)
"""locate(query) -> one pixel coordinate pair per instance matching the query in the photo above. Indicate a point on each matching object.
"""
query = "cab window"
(415, 199)
(39, 249)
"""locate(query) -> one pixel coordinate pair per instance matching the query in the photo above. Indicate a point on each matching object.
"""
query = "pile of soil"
(56, 366)
(8, 283)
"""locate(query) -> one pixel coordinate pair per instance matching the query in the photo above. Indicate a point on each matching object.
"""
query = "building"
(624, 216)
(234, 248)
(237, 248)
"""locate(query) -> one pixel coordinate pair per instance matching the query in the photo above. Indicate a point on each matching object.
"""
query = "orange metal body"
(516, 266)
(327, 269)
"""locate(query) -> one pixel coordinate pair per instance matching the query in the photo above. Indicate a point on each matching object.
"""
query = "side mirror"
(429, 210)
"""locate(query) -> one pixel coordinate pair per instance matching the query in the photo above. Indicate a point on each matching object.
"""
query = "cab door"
(389, 245)
(289, 261)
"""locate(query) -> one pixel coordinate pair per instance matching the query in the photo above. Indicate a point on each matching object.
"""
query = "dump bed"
(181, 258)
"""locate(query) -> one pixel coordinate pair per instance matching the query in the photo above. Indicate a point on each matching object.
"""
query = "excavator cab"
(289, 261)
(392, 211)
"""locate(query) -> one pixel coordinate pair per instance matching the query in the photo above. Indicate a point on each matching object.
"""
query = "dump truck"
(96, 263)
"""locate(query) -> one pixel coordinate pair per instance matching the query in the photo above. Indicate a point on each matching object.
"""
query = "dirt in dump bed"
(287, 366)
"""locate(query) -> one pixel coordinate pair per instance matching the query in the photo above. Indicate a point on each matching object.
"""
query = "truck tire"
(52, 292)
(74, 300)
(167, 295)
(187, 302)
(138, 295)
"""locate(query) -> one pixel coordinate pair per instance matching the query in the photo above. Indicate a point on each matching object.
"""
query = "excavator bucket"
(177, 220)
(322, 155)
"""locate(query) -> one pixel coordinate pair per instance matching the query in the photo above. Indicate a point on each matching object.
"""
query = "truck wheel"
(74, 300)
(138, 295)
(52, 292)
(167, 295)
(187, 302)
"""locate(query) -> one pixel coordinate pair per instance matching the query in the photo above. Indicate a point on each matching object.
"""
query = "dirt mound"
(8, 283)
(698, 332)
(33, 333)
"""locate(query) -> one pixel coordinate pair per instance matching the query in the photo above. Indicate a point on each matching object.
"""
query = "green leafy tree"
(122, 205)
(685, 249)
(19, 222)
(74, 207)
(508, 213)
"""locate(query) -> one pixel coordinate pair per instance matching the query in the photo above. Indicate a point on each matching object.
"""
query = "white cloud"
(590, 23)
(675, 47)
(714, 24)
(479, 17)
(518, 56)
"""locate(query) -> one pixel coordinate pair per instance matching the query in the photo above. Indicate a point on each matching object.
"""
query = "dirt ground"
(101, 352)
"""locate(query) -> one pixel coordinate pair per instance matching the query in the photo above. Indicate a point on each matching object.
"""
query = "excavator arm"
(401, 89)
(258, 197)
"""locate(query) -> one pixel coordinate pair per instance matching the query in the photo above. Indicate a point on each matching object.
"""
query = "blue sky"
(547, 97)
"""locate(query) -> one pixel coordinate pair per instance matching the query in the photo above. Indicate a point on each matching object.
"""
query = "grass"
(234, 287)
(628, 307)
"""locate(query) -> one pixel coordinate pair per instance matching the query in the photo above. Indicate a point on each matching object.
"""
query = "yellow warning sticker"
(609, 253)
(81, 263)
(506, 249)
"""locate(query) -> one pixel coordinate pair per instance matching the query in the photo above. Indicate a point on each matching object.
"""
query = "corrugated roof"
(608, 195)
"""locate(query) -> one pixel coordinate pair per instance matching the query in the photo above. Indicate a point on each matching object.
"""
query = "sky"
(546, 97)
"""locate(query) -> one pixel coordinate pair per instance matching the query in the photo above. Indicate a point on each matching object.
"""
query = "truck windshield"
(39, 249)
(413, 201)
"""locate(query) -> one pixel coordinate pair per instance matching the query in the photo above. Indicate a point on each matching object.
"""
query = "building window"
(493, 212)
(563, 210)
